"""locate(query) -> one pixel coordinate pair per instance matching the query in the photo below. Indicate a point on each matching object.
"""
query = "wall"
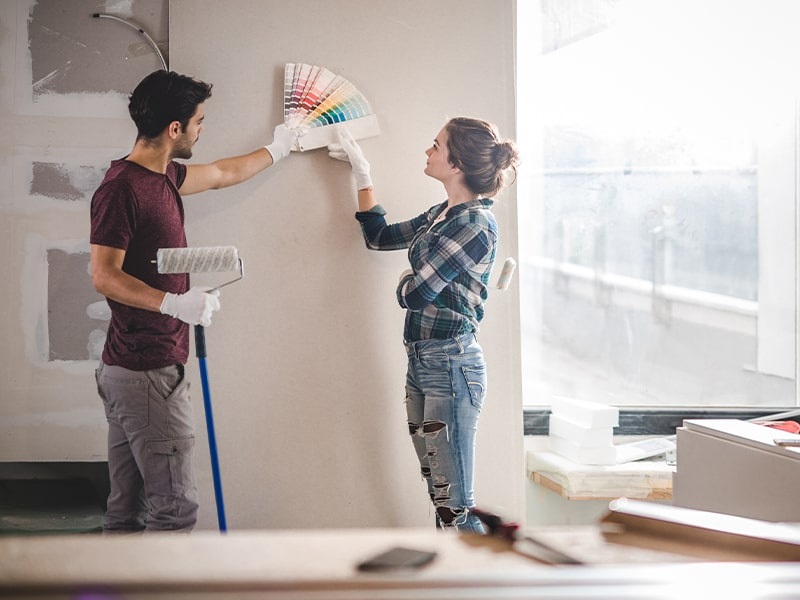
(305, 358)
(309, 378)
(63, 115)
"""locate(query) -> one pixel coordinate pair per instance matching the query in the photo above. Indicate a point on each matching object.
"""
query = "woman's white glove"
(194, 307)
(348, 150)
(283, 139)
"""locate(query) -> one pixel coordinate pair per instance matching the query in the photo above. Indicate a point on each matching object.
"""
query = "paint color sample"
(324, 136)
(314, 97)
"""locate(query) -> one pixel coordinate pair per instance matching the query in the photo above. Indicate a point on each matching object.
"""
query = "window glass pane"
(658, 231)
(681, 199)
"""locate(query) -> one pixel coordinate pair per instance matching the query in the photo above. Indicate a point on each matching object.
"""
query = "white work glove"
(283, 139)
(349, 151)
(194, 307)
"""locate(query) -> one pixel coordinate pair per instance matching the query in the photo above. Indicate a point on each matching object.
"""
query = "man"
(136, 210)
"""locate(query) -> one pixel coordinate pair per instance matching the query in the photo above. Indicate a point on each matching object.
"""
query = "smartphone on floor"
(397, 558)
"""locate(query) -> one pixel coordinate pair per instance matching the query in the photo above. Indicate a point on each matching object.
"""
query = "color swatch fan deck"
(317, 102)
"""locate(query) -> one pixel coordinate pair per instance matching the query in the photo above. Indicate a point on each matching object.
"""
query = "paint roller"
(204, 260)
(506, 274)
(209, 259)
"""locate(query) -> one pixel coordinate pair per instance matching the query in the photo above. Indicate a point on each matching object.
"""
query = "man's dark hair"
(163, 97)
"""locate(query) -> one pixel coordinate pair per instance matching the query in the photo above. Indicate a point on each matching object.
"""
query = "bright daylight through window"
(658, 201)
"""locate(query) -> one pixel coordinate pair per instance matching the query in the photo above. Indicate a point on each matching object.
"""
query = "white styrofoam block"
(585, 455)
(584, 412)
(579, 434)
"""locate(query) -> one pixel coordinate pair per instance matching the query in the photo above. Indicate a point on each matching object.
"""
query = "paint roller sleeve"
(506, 274)
(198, 260)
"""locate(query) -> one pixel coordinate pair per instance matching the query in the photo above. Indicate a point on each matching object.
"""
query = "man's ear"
(174, 129)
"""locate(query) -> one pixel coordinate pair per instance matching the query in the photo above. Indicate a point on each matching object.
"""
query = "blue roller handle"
(200, 346)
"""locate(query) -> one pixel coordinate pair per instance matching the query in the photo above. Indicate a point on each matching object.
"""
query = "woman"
(451, 248)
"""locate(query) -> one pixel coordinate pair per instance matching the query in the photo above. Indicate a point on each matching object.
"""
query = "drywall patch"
(70, 63)
(73, 53)
(63, 321)
(69, 293)
(61, 178)
(62, 182)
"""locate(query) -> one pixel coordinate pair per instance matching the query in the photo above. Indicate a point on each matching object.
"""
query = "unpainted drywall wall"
(63, 111)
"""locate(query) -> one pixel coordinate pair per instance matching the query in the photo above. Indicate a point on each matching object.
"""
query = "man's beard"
(183, 151)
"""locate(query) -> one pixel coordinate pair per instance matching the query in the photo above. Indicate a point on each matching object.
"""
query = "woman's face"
(438, 165)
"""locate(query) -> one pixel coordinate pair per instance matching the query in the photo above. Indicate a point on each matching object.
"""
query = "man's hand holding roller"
(195, 307)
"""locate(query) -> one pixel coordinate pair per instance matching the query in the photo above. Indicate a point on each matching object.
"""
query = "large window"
(658, 201)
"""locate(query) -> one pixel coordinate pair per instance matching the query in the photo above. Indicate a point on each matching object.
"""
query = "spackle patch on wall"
(71, 53)
(72, 333)
(69, 63)
(56, 178)
(63, 318)
(63, 182)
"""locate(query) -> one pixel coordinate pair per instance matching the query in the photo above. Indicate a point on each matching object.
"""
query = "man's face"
(188, 138)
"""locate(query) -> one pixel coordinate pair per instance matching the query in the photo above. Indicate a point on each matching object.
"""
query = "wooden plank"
(547, 482)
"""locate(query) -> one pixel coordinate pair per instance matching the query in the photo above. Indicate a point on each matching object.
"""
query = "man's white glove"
(194, 307)
(349, 151)
(283, 139)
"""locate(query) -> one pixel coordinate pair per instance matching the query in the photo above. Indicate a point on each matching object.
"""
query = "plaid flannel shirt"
(451, 262)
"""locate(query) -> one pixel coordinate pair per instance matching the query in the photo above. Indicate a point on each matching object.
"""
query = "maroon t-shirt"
(140, 211)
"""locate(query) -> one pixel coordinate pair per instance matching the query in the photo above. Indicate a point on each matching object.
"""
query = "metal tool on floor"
(524, 544)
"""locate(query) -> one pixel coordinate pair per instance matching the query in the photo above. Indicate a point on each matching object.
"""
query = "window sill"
(637, 420)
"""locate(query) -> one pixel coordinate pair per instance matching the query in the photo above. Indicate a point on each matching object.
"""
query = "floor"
(46, 506)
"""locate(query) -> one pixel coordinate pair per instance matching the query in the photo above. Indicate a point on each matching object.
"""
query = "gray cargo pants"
(150, 445)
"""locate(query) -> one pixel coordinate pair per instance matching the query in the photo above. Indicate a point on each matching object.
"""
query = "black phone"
(397, 558)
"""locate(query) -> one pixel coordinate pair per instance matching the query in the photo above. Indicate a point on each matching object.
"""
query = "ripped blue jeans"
(445, 390)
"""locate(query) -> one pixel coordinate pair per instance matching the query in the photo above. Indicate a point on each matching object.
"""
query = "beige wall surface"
(305, 359)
